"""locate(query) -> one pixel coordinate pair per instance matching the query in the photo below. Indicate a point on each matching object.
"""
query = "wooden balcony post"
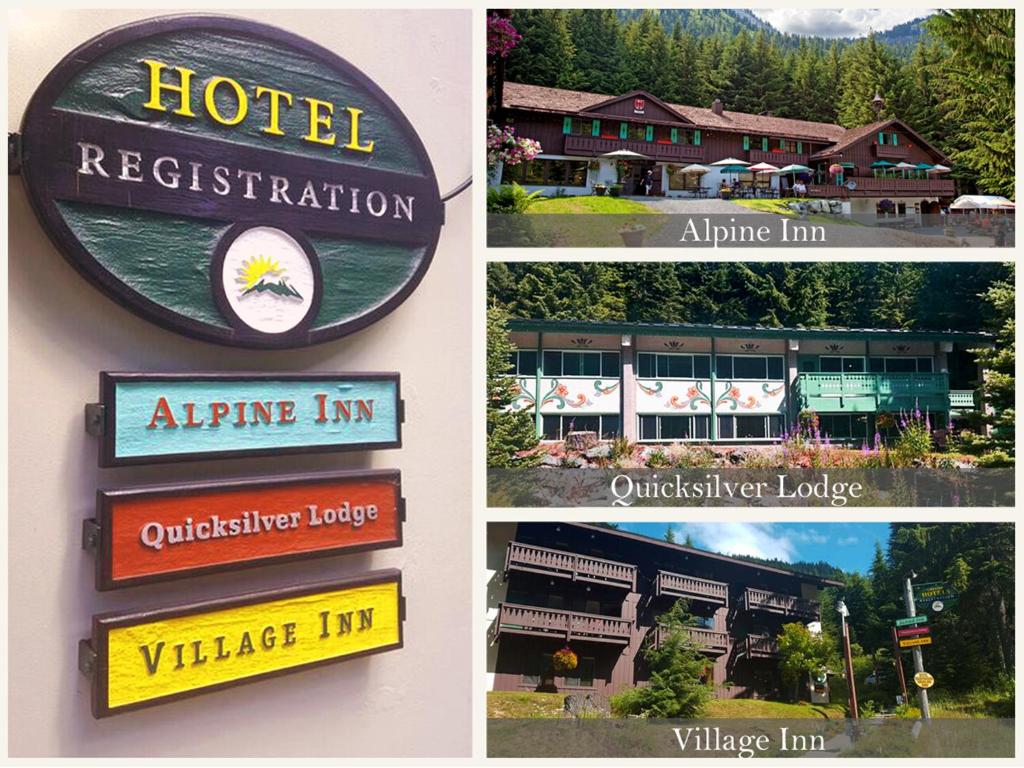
(714, 395)
(537, 391)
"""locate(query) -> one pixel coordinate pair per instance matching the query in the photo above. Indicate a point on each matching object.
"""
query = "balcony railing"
(569, 565)
(690, 587)
(762, 647)
(563, 625)
(872, 392)
(866, 186)
(778, 159)
(710, 641)
(892, 151)
(963, 399)
(597, 145)
(780, 603)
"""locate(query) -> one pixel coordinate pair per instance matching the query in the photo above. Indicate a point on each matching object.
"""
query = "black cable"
(458, 190)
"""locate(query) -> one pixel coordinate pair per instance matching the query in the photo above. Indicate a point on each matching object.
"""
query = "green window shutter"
(764, 144)
(895, 140)
(782, 143)
(595, 128)
(650, 133)
(567, 125)
(746, 142)
(675, 135)
(623, 130)
(799, 147)
(881, 138)
(696, 138)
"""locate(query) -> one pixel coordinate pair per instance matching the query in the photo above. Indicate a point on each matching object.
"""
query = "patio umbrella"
(794, 169)
(624, 154)
(985, 202)
(881, 165)
(732, 161)
(763, 168)
(939, 169)
(904, 167)
(694, 168)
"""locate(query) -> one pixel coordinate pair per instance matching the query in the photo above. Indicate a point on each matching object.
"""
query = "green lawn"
(588, 204)
(515, 704)
(778, 207)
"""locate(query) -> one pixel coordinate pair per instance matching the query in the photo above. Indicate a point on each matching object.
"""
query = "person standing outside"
(648, 182)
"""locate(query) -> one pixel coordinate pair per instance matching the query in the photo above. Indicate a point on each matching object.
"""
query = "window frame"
(732, 377)
(781, 421)
(601, 353)
(693, 365)
(692, 418)
(571, 167)
(602, 429)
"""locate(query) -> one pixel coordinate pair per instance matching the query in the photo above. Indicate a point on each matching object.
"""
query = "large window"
(638, 131)
(751, 367)
(551, 173)
(572, 363)
(845, 426)
(902, 365)
(654, 428)
(523, 362)
(836, 364)
(537, 664)
(679, 181)
(556, 427)
(750, 427)
(651, 365)
(583, 675)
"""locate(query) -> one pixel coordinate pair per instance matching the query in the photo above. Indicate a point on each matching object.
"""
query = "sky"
(849, 546)
(837, 22)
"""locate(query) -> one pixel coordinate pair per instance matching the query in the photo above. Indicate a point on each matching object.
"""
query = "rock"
(586, 705)
(551, 461)
(580, 441)
(738, 455)
(580, 462)
(599, 452)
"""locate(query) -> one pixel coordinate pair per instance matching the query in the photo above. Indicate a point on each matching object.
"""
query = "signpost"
(158, 533)
(912, 615)
(230, 181)
(143, 418)
(912, 631)
(151, 657)
(911, 620)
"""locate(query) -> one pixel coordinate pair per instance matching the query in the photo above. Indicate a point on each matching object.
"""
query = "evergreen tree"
(545, 55)
(896, 289)
(684, 67)
(670, 534)
(868, 68)
(596, 41)
(678, 670)
(1000, 361)
(508, 432)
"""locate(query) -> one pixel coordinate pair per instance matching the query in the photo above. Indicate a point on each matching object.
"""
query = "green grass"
(778, 207)
(524, 704)
(980, 703)
(588, 204)
(530, 705)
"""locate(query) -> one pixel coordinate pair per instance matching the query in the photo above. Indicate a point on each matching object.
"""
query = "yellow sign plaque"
(923, 680)
(152, 657)
(910, 642)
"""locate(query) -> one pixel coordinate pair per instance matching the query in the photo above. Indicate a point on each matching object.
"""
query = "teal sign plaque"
(145, 418)
(231, 181)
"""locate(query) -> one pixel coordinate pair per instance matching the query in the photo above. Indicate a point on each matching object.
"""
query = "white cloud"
(809, 536)
(837, 22)
(846, 541)
(754, 539)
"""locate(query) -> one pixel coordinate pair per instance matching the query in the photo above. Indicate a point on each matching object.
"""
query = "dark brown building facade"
(600, 591)
(575, 129)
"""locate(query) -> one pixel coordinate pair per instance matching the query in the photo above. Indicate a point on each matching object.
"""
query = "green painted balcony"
(872, 392)
(963, 399)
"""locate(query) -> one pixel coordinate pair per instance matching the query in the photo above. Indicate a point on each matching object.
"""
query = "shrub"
(915, 439)
(510, 198)
(621, 449)
(658, 459)
(995, 459)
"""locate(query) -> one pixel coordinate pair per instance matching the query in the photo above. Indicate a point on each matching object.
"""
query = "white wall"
(415, 701)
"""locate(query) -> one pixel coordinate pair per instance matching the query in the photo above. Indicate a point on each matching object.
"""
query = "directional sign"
(231, 181)
(928, 592)
(156, 533)
(911, 620)
(154, 656)
(910, 642)
(911, 631)
(155, 417)
(923, 680)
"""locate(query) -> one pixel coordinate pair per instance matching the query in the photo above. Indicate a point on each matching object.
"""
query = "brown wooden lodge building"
(575, 129)
(599, 591)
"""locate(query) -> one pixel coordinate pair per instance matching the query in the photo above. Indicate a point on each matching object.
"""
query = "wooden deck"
(569, 565)
(691, 588)
(779, 603)
(565, 625)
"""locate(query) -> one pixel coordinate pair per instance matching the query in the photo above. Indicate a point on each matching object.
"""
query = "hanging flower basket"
(564, 660)
(835, 169)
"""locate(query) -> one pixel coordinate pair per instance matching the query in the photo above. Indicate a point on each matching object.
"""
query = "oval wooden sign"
(155, 656)
(231, 181)
(156, 533)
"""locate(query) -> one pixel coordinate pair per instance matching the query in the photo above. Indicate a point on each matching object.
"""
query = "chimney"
(878, 104)
(716, 106)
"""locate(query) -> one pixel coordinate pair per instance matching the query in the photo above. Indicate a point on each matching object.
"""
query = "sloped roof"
(851, 137)
(559, 100)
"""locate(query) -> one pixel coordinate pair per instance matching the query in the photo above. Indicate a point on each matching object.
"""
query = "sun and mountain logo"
(262, 274)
